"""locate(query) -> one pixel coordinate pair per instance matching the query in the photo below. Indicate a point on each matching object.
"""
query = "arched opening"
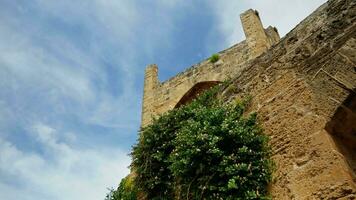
(195, 91)
(342, 127)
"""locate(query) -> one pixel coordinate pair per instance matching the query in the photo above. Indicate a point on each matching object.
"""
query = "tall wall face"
(303, 90)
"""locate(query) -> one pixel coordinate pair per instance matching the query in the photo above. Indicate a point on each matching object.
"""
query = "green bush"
(214, 58)
(204, 150)
(126, 190)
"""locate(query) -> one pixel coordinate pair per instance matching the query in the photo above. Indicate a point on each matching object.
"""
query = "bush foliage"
(126, 190)
(204, 150)
(214, 58)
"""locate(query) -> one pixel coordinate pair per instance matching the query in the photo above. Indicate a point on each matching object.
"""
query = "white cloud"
(71, 173)
(285, 14)
(45, 134)
(67, 72)
(33, 65)
(43, 65)
(57, 70)
(62, 171)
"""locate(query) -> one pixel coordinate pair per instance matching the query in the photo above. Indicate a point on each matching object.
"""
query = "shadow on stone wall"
(342, 128)
(195, 91)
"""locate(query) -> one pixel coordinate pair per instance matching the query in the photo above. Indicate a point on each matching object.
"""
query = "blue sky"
(71, 81)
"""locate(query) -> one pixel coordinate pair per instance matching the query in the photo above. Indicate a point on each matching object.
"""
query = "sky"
(71, 81)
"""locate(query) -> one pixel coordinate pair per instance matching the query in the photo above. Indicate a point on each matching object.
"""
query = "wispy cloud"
(70, 173)
(55, 83)
(70, 93)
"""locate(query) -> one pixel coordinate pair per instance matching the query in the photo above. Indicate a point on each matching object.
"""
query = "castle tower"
(258, 39)
(150, 83)
(161, 97)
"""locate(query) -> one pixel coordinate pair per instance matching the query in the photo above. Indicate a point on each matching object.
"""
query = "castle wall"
(170, 92)
(303, 90)
(166, 95)
(161, 97)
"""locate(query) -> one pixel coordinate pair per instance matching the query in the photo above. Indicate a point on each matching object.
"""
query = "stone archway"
(193, 92)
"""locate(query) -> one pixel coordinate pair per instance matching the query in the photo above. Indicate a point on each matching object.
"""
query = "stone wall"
(303, 90)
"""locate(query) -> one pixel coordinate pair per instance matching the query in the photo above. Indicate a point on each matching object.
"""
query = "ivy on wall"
(203, 150)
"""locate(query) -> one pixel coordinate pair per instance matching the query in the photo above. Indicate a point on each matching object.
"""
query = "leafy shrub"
(112, 195)
(204, 150)
(126, 190)
(214, 58)
(150, 155)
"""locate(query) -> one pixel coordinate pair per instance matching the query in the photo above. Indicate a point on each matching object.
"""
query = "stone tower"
(151, 82)
(258, 39)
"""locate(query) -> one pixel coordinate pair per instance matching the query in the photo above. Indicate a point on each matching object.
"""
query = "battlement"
(272, 35)
(182, 88)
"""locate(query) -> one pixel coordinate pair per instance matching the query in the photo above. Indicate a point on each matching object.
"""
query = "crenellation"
(157, 101)
(272, 35)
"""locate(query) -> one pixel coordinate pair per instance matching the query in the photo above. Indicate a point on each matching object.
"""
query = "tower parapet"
(273, 35)
(258, 39)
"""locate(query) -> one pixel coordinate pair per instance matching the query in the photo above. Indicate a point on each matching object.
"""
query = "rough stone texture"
(151, 83)
(303, 89)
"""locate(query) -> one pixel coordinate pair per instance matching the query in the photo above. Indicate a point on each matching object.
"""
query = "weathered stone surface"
(303, 89)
